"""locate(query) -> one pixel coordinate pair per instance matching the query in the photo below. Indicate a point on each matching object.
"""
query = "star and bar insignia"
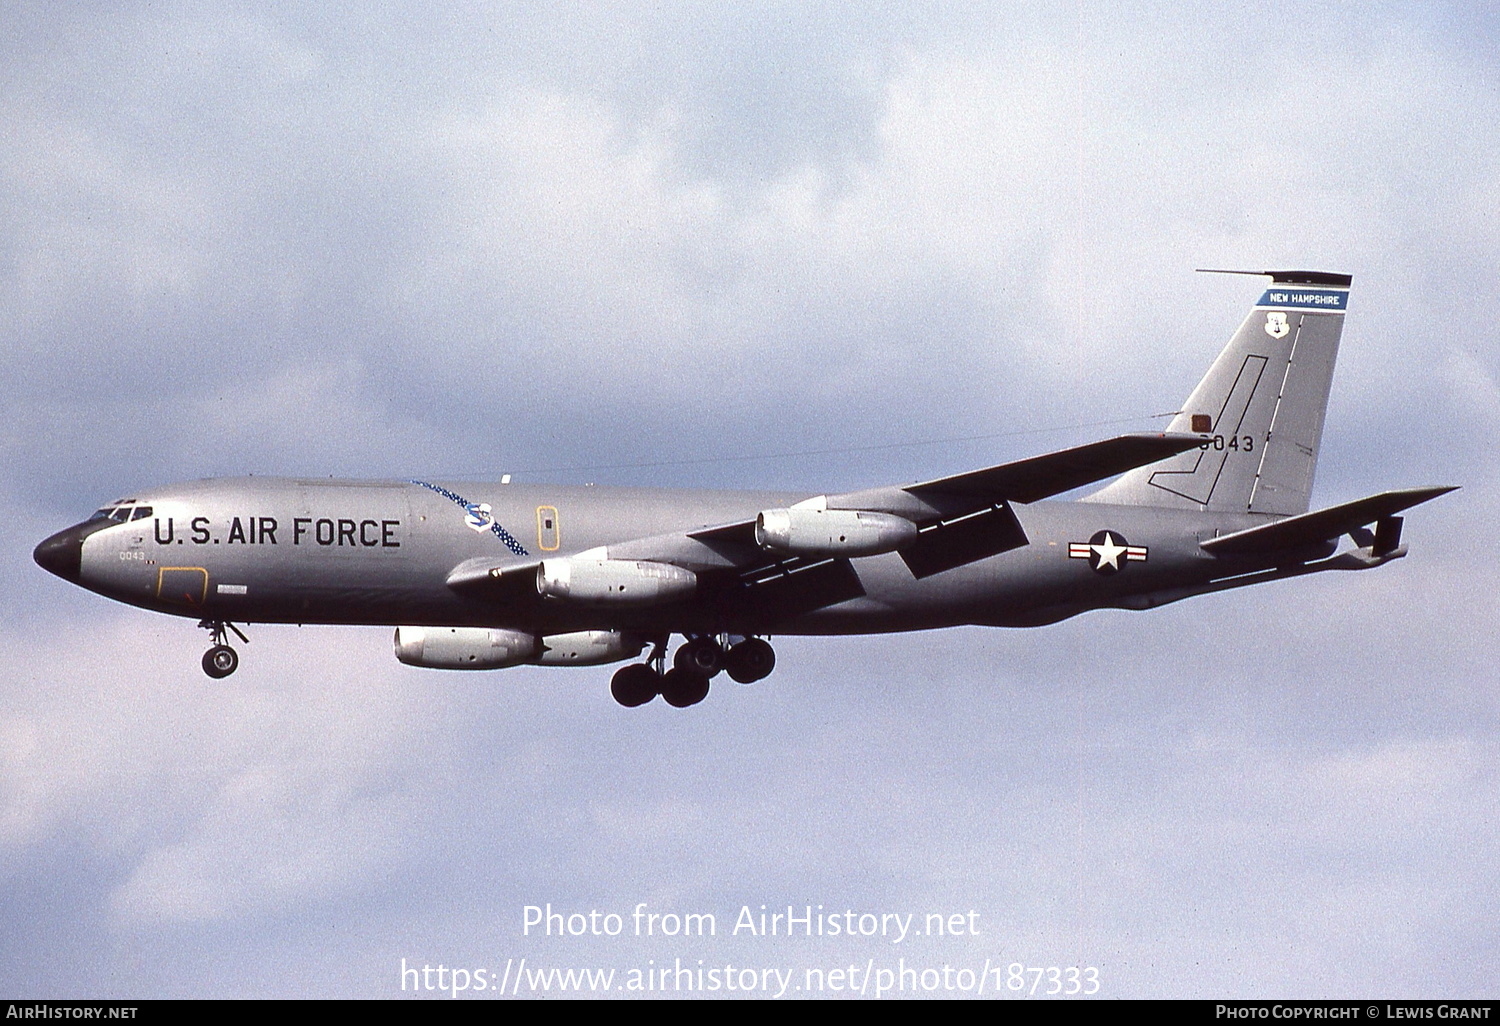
(1107, 552)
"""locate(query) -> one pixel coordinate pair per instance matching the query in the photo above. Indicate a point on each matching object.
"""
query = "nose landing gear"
(221, 660)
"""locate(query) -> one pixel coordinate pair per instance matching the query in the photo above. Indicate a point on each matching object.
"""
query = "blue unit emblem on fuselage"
(478, 517)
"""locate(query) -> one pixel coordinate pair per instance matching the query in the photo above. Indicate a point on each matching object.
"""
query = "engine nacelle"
(494, 648)
(465, 648)
(589, 648)
(614, 581)
(832, 532)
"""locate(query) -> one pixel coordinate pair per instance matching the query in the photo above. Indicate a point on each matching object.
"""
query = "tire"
(634, 685)
(701, 656)
(751, 660)
(682, 688)
(220, 661)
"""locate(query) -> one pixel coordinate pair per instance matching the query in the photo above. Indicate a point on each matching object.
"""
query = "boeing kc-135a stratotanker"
(485, 576)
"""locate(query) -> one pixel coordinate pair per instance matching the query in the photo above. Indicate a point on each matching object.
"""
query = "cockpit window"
(121, 514)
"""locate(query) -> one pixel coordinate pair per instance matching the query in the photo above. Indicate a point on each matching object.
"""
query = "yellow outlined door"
(548, 530)
(185, 584)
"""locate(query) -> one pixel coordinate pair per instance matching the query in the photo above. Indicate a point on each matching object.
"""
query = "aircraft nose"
(62, 554)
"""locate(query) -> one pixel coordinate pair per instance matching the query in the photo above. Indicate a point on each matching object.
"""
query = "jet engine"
(465, 648)
(494, 648)
(614, 581)
(831, 532)
(589, 648)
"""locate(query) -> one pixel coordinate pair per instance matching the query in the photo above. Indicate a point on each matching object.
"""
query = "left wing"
(957, 519)
(1056, 472)
(1322, 525)
(496, 580)
(1022, 481)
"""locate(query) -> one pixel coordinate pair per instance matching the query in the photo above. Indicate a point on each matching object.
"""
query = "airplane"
(486, 576)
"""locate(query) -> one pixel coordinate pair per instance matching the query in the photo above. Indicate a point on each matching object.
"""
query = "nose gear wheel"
(221, 660)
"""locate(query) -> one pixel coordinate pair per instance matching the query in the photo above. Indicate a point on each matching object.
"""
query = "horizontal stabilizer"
(1323, 525)
(1040, 476)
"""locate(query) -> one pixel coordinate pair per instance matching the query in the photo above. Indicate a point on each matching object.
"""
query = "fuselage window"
(141, 512)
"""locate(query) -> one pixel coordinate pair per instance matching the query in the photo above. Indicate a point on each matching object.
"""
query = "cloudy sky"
(669, 244)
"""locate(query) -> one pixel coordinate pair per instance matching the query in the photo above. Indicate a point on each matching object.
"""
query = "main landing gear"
(696, 662)
(221, 660)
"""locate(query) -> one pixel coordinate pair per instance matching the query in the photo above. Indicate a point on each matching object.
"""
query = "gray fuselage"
(371, 552)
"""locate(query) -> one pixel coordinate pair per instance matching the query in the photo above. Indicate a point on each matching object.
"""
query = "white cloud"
(354, 247)
(291, 786)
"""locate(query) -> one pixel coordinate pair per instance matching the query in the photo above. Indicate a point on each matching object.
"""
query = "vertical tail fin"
(1262, 402)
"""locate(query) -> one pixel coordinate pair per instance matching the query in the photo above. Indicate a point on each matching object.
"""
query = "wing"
(1322, 525)
(1056, 472)
(1021, 481)
(959, 519)
(967, 517)
(497, 580)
